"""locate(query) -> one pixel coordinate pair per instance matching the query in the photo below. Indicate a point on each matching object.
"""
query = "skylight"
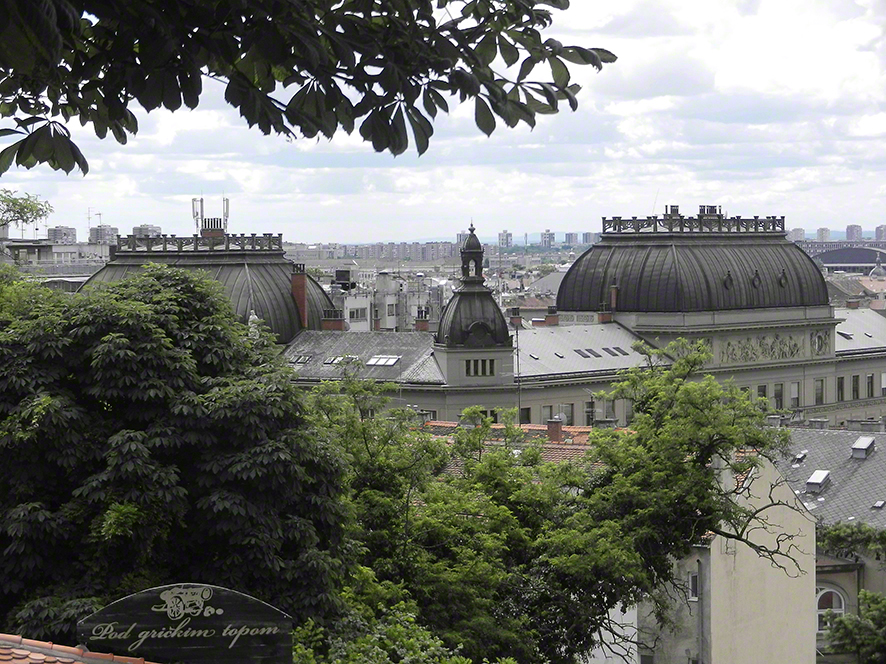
(336, 359)
(303, 359)
(560, 355)
(621, 350)
(383, 360)
(611, 352)
(845, 335)
(593, 352)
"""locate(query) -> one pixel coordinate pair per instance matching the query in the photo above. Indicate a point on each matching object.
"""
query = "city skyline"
(689, 115)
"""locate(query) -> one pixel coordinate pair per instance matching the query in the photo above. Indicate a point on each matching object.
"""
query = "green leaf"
(483, 117)
(509, 52)
(526, 68)
(559, 71)
(8, 155)
(486, 49)
(421, 130)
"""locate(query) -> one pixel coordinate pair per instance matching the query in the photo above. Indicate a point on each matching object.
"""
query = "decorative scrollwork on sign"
(762, 347)
(820, 342)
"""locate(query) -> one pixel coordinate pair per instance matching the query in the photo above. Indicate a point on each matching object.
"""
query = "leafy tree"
(22, 210)
(864, 634)
(505, 555)
(307, 68)
(147, 437)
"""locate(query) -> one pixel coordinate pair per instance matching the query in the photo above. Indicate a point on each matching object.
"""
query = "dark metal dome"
(473, 319)
(255, 279)
(691, 271)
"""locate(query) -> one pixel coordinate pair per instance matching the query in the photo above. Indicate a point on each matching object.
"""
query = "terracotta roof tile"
(14, 648)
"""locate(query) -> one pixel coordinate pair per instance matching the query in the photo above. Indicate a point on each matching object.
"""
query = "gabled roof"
(28, 651)
(413, 350)
(854, 485)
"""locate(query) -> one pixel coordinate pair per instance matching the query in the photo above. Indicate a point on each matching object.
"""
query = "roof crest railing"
(701, 224)
(227, 242)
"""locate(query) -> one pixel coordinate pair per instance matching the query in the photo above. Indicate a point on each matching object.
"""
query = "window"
(568, 411)
(883, 384)
(525, 415)
(819, 391)
(391, 310)
(303, 359)
(778, 395)
(479, 367)
(432, 414)
(841, 391)
(693, 586)
(589, 413)
(357, 314)
(761, 391)
(382, 360)
(547, 413)
(855, 388)
(609, 409)
(795, 395)
(828, 599)
(869, 385)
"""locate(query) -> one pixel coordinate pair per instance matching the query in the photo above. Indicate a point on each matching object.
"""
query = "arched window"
(828, 599)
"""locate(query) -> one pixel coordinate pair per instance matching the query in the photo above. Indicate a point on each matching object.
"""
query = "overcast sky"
(765, 107)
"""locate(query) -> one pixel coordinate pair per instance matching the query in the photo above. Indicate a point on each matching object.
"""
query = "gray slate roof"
(539, 348)
(866, 327)
(416, 363)
(855, 484)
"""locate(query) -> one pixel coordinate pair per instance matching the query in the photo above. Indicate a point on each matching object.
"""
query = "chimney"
(421, 321)
(818, 423)
(818, 481)
(555, 431)
(552, 317)
(863, 447)
(604, 317)
(773, 421)
(516, 318)
(333, 320)
(538, 322)
(852, 304)
(613, 297)
(300, 293)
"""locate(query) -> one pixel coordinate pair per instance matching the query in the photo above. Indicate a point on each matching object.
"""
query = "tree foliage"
(506, 555)
(306, 68)
(863, 635)
(148, 438)
(22, 210)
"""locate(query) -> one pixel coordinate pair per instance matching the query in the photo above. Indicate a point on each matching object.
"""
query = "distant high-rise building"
(146, 230)
(103, 234)
(589, 238)
(571, 238)
(853, 233)
(797, 234)
(505, 239)
(62, 235)
(461, 237)
(547, 239)
(881, 233)
(823, 235)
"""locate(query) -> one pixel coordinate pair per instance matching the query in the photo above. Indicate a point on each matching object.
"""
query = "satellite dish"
(561, 417)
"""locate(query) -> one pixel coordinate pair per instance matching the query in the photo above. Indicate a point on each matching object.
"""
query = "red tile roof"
(16, 649)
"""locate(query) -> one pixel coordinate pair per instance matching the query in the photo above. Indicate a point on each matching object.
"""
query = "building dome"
(253, 271)
(879, 272)
(694, 265)
(472, 318)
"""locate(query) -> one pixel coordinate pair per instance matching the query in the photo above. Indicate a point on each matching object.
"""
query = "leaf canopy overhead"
(293, 67)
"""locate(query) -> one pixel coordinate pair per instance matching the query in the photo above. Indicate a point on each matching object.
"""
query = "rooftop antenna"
(655, 200)
(197, 212)
(226, 208)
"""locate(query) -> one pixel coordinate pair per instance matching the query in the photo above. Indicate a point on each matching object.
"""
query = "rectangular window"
(819, 391)
(589, 413)
(547, 413)
(491, 367)
(795, 395)
(525, 417)
(483, 367)
(855, 381)
(609, 409)
(883, 384)
(390, 310)
(569, 411)
(778, 395)
(761, 391)
(869, 384)
(693, 586)
(432, 414)
(468, 368)
(476, 367)
(841, 388)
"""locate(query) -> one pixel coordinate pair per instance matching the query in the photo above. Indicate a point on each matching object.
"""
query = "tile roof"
(14, 648)
(573, 446)
(854, 486)
(862, 330)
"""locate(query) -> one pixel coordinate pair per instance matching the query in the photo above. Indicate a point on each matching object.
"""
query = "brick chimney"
(333, 320)
(300, 293)
(613, 297)
(555, 431)
(852, 304)
(552, 317)
(421, 321)
(515, 317)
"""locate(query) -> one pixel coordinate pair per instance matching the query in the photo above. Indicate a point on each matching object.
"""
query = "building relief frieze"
(761, 347)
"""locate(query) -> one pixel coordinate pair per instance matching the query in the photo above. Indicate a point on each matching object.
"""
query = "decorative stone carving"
(820, 342)
(761, 347)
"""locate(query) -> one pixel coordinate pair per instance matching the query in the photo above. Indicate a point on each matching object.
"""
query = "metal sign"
(190, 623)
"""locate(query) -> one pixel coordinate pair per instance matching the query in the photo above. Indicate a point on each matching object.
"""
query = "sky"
(763, 107)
